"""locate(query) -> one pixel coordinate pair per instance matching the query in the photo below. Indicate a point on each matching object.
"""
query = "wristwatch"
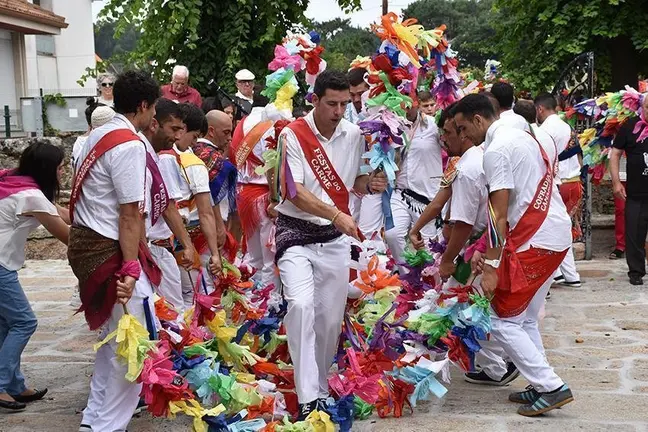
(493, 263)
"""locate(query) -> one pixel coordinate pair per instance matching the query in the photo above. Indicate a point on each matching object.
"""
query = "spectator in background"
(635, 192)
(358, 86)
(105, 83)
(619, 215)
(228, 108)
(96, 115)
(245, 93)
(179, 90)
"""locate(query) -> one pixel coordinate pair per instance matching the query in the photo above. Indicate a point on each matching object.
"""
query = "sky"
(324, 10)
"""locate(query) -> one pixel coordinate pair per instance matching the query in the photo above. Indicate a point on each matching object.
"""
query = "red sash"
(242, 145)
(159, 195)
(319, 162)
(511, 275)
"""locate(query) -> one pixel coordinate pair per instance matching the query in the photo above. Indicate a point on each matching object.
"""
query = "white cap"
(244, 75)
(100, 116)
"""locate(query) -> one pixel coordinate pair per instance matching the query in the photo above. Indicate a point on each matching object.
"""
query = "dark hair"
(258, 100)
(330, 79)
(356, 76)
(193, 117)
(526, 109)
(131, 89)
(546, 100)
(473, 104)
(92, 104)
(446, 114)
(40, 161)
(211, 103)
(503, 92)
(492, 99)
(166, 108)
(424, 96)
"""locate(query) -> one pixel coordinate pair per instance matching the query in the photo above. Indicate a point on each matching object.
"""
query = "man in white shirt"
(313, 251)
(503, 92)
(165, 129)
(531, 235)
(417, 181)
(106, 209)
(255, 202)
(197, 208)
(569, 170)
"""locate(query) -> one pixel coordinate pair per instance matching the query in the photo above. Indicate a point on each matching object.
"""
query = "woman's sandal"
(37, 395)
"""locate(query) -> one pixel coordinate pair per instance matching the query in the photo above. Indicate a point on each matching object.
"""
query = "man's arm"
(615, 160)
(460, 234)
(130, 227)
(208, 222)
(431, 211)
(221, 231)
(499, 200)
(176, 225)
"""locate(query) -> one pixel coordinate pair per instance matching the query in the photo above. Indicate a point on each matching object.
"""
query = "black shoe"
(636, 280)
(564, 282)
(482, 377)
(38, 395)
(306, 408)
(548, 296)
(141, 406)
(12, 405)
(547, 402)
(322, 405)
(558, 279)
(617, 254)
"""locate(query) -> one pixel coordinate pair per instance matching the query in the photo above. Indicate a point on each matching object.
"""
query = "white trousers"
(355, 205)
(315, 280)
(518, 339)
(171, 286)
(371, 219)
(568, 267)
(113, 399)
(261, 257)
(206, 281)
(404, 218)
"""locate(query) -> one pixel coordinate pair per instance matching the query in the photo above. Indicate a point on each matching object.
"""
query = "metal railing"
(11, 121)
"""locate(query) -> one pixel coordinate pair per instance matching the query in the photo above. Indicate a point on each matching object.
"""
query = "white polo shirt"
(194, 180)
(421, 169)
(116, 178)
(469, 203)
(344, 150)
(514, 120)
(512, 160)
(561, 134)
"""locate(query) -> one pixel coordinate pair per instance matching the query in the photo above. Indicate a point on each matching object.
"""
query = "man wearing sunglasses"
(179, 90)
(245, 87)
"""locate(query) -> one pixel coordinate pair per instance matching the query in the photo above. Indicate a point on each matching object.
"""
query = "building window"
(45, 45)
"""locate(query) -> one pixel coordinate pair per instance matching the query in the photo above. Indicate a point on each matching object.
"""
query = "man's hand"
(378, 182)
(187, 257)
(346, 225)
(215, 265)
(125, 287)
(489, 281)
(619, 191)
(221, 235)
(272, 213)
(477, 263)
(446, 269)
(416, 239)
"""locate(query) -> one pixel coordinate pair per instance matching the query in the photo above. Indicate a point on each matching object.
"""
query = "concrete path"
(596, 338)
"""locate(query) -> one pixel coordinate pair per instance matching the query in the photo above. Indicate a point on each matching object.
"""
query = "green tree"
(468, 26)
(343, 42)
(538, 38)
(106, 45)
(213, 38)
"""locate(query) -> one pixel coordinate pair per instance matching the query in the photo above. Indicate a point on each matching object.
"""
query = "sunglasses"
(106, 84)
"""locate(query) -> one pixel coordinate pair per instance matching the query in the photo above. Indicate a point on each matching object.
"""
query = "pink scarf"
(641, 128)
(10, 183)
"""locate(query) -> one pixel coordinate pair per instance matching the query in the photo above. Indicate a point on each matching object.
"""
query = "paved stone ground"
(596, 336)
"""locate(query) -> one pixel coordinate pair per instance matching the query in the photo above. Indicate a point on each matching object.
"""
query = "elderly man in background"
(245, 87)
(179, 90)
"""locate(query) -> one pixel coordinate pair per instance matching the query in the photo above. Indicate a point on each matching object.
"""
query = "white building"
(44, 44)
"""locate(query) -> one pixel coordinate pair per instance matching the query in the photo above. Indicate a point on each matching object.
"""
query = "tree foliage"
(213, 38)
(343, 42)
(107, 46)
(468, 26)
(536, 39)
